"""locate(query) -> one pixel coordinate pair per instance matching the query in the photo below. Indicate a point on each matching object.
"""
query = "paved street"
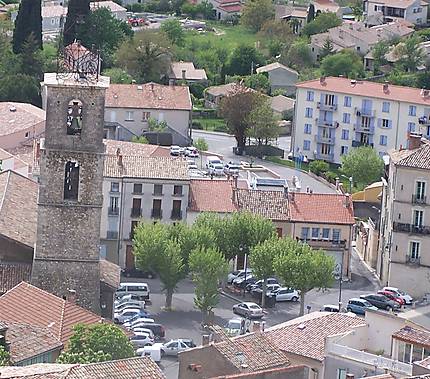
(184, 321)
(221, 143)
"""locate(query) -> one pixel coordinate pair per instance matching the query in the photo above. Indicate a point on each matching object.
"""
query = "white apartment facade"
(333, 115)
(403, 259)
(139, 188)
(377, 12)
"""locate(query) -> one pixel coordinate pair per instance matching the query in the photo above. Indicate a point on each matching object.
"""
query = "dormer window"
(74, 117)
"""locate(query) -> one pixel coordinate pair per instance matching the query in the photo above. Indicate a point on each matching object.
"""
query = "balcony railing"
(424, 120)
(324, 157)
(113, 211)
(111, 235)
(156, 213)
(359, 128)
(410, 228)
(412, 260)
(324, 243)
(365, 112)
(324, 123)
(359, 143)
(326, 107)
(419, 199)
(136, 212)
(323, 139)
(176, 215)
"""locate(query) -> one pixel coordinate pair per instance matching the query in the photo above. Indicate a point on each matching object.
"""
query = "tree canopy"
(321, 23)
(379, 51)
(409, 54)
(174, 31)
(4, 357)
(28, 23)
(298, 55)
(201, 144)
(262, 124)
(243, 60)
(256, 12)
(347, 63)
(96, 343)
(364, 165)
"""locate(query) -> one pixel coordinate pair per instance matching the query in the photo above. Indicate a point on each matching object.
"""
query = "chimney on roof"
(119, 160)
(385, 87)
(256, 327)
(133, 81)
(118, 152)
(414, 141)
(349, 376)
(292, 196)
(337, 183)
(206, 338)
(12, 108)
(152, 86)
(322, 79)
(285, 190)
(71, 296)
(347, 200)
(424, 92)
(183, 74)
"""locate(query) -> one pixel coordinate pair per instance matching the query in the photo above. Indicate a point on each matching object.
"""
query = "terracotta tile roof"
(417, 158)
(18, 207)
(191, 73)
(321, 208)
(306, 335)
(222, 90)
(148, 96)
(258, 352)
(270, 204)
(110, 273)
(414, 336)
(276, 66)
(134, 148)
(211, 196)
(5, 155)
(143, 167)
(231, 8)
(15, 117)
(130, 368)
(24, 153)
(396, 3)
(28, 341)
(30, 305)
(261, 373)
(12, 274)
(367, 89)
(111, 5)
(281, 103)
(326, 5)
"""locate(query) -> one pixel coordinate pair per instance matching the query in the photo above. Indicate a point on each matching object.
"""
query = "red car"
(136, 21)
(393, 297)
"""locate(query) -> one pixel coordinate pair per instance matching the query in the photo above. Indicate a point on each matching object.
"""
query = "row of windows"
(138, 188)
(347, 102)
(317, 233)
(129, 116)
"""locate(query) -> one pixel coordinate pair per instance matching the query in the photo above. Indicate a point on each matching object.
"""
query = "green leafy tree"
(262, 124)
(31, 58)
(327, 48)
(364, 165)
(259, 82)
(4, 357)
(423, 80)
(201, 144)
(105, 32)
(347, 63)
(207, 266)
(243, 60)
(235, 109)
(96, 343)
(319, 167)
(118, 75)
(311, 13)
(146, 56)
(277, 36)
(157, 126)
(77, 13)
(20, 88)
(256, 12)
(300, 267)
(261, 259)
(409, 54)
(379, 51)
(298, 55)
(357, 10)
(321, 23)
(140, 139)
(28, 23)
(174, 32)
(189, 9)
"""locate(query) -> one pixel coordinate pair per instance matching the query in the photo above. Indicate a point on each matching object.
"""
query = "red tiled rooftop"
(28, 304)
(135, 149)
(414, 336)
(211, 196)
(321, 208)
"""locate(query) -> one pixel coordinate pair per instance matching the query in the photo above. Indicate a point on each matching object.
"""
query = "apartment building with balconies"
(139, 188)
(333, 115)
(377, 12)
(403, 258)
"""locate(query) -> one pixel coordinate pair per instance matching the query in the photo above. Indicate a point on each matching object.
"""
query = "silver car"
(173, 347)
(248, 309)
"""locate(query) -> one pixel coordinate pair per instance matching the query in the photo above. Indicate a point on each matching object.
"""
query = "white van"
(150, 351)
(140, 289)
(211, 160)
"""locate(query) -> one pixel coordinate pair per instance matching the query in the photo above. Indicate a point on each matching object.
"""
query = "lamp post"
(351, 182)
(243, 249)
(338, 275)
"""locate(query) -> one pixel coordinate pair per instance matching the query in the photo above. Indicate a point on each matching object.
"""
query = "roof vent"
(322, 79)
(353, 82)
(301, 326)
(139, 88)
(424, 92)
(385, 87)
(12, 109)
(115, 96)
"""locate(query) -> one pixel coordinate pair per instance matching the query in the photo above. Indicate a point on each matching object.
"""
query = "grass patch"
(287, 162)
(211, 124)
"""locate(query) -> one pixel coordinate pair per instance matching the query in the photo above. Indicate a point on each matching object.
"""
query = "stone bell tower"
(70, 188)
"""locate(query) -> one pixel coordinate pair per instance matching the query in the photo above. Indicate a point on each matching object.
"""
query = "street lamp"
(338, 275)
(351, 181)
(243, 248)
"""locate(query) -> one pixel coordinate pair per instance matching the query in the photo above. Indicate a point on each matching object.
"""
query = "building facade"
(377, 12)
(70, 190)
(334, 115)
(405, 220)
(280, 77)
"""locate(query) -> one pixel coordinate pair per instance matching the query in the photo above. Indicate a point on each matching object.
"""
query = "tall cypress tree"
(77, 12)
(28, 21)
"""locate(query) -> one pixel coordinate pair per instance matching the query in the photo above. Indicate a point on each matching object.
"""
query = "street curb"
(221, 292)
(211, 132)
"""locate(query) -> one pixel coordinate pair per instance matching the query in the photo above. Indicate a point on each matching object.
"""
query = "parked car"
(271, 288)
(241, 283)
(237, 274)
(248, 309)
(154, 352)
(127, 305)
(286, 294)
(136, 331)
(130, 298)
(157, 329)
(173, 347)
(136, 322)
(392, 296)
(231, 169)
(128, 314)
(237, 326)
(136, 273)
(381, 302)
(216, 169)
(135, 21)
(359, 306)
(259, 284)
(141, 289)
(330, 308)
(191, 152)
(213, 160)
(141, 340)
(408, 298)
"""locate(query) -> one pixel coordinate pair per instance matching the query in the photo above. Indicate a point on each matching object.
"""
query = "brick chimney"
(71, 296)
(414, 141)
(349, 376)
(184, 74)
(206, 338)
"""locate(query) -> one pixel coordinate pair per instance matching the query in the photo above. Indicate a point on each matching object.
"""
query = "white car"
(287, 294)
(216, 169)
(403, 295)
(137, 331)
(130, 298)
(126, 314)
(271, 288)
(241, 278)
(213, 160)
(248, 310)
(192, 152)
(127, 305)
(135, 323)
(231, 169)
(153, 352)
(237, 274)
(141, 340)
(173, 347)
(237, 326)
(175, 151)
